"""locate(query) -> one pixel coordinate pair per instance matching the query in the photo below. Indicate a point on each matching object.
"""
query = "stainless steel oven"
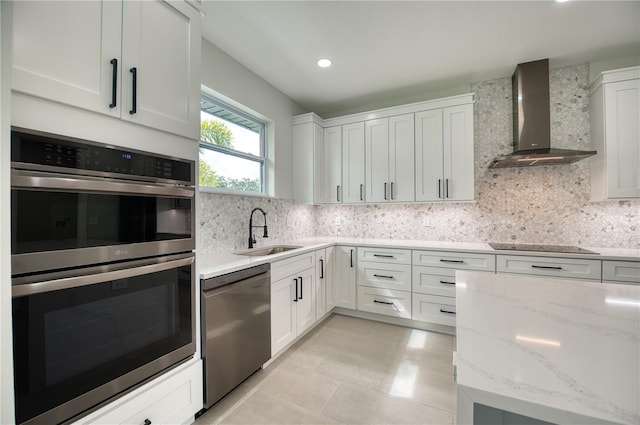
(102, 272)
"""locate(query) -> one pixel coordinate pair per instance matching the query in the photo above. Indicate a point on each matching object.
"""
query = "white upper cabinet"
(615, 135)
(389, 147)
(332, 167)
(137, 60)
(308, 162)
(444, 154)
(353, 163)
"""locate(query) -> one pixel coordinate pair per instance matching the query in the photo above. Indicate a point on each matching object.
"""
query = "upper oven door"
(60, 221)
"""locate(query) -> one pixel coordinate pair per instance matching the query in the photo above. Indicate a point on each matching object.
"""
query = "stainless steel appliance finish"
(531, 121)
(540, 248)
(236, 328)
(76, 203)
(103, 273)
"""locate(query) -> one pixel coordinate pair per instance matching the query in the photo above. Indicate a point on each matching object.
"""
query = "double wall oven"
(102, 243)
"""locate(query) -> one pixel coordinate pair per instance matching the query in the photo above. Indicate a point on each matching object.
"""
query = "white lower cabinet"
(434, 309)
(621, 271)
(571, 268)
(344, 277)
(173, 398)
(325, 300)
(293, 303)
(384, 301)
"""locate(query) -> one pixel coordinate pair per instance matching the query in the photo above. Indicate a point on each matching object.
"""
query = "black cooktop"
(539, 248)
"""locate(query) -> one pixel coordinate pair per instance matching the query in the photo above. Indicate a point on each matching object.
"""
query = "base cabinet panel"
(344, 277)
(173, 399)
(434, 309)
(384, 301)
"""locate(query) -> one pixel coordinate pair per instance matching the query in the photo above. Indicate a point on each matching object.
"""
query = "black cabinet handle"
(439, 185)
(392, 190)
(114, 82)
(134, 90)
(447, 283)
(382, 302)
(361, 187)
(351, 259)
(300, 277)
(383, 276)
(385, 191)
(446, 190)
(321, 268)
(147, 422)
(451, 261)
(546, 267)
(383, 256)
(296, 280)
(447, 311)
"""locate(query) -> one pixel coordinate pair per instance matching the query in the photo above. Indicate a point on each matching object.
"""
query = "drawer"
(385, 255)
(455, 260)
(390, 276)
(434, 281)
(384, 301)
(287, 267)
(572, 268)
(434, 309)
(621, 271)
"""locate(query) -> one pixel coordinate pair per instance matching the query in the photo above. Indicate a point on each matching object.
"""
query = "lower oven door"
(81, 338)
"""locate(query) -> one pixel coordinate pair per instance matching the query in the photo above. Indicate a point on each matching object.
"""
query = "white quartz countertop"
(216, 264)
(560, 344)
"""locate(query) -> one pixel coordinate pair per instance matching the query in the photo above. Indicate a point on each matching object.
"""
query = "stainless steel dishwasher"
(236, 329)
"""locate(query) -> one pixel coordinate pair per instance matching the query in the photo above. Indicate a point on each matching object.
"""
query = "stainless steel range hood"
(531, 121)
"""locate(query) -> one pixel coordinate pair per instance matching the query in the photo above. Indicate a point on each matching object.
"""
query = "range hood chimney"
(531, 121)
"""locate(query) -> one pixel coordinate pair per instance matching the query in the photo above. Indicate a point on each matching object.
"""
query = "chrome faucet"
(252, 237)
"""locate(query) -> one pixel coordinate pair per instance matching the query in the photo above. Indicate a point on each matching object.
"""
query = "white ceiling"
(393, 49)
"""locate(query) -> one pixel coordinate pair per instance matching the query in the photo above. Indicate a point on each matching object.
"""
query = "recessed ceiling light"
(324, 63)
(561, 1)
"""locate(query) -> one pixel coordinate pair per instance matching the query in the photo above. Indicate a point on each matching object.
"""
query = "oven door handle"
(94, 278)
(43, 181)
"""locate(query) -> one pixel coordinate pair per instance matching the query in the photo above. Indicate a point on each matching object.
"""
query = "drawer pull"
(147, 422)
(383, 276)
(383, 256)
(447, 283)
(546, 267)
(383, 302)
(447, 311)
(451, 261)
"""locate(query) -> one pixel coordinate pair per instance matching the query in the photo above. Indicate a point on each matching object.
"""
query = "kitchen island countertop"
(561, 351)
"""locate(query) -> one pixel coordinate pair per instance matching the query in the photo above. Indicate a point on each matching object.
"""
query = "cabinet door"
(332, 140)
(622, 135)
(283, 314)
(344, 282)
(161, 41)
(318, 164)
(353, 163)
(62, 51)
(458, 153)
(377, 160)
(428, 163)
(329, 267)
(401, 158)
(321, 283)
(306, 304)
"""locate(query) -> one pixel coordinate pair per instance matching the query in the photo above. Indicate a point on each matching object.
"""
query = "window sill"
(232, 192)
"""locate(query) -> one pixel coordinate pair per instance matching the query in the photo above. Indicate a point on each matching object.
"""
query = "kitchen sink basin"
(268, 250)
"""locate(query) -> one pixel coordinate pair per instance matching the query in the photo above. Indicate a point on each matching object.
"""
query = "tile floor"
(349, 371)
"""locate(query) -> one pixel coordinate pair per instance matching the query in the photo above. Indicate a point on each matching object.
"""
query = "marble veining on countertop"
(563, 344)
(218, 263)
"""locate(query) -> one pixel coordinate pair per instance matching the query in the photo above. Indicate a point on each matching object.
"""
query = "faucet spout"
(252, 239)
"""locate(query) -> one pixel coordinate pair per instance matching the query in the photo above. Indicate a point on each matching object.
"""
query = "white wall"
(6, 341)
(226, 76)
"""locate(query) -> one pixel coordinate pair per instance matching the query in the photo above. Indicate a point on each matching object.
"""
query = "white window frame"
(262, 159)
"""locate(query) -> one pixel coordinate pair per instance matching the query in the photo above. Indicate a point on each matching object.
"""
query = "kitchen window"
(232, 148)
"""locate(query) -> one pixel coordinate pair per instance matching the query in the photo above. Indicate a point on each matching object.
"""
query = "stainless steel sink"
(268, 250)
